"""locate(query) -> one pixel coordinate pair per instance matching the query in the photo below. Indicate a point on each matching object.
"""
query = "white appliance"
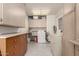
(41, 36)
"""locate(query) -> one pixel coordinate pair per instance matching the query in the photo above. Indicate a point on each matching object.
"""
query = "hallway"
(25, 29)
(36, 49)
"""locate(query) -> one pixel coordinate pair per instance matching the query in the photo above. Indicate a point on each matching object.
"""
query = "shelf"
(76, 42)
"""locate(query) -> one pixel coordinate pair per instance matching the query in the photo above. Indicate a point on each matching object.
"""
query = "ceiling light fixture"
(35, 17)
(40, 12)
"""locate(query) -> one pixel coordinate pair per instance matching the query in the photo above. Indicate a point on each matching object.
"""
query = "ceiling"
(53, 8)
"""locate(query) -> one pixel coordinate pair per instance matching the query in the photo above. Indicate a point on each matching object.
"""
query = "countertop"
(11, 35)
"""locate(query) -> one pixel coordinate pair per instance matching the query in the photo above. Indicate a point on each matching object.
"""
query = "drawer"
(16, 46)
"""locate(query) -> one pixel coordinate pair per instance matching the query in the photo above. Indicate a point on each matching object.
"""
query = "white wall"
(36, 29)
(26, 26)
(56, 41)
(50, 23)
(7, 29)
(37, 23)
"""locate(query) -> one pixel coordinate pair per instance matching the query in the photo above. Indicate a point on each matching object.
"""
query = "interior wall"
(7, 29)
(57, 44)
(55, 38)
(26, 28)
(50, 23)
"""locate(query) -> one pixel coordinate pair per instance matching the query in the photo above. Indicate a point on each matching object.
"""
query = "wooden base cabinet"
(14, 46)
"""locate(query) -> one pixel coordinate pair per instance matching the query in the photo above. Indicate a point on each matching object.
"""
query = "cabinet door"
(14, 15)
(77, 29)
(16, 46)
(68, 34)
(1, 13)
(10, 46)
(21, 45)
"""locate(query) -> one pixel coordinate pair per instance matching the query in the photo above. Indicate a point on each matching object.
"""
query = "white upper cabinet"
(0, 13)
(14, 15)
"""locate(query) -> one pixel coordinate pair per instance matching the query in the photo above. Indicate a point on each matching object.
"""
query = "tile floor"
(35, 49)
